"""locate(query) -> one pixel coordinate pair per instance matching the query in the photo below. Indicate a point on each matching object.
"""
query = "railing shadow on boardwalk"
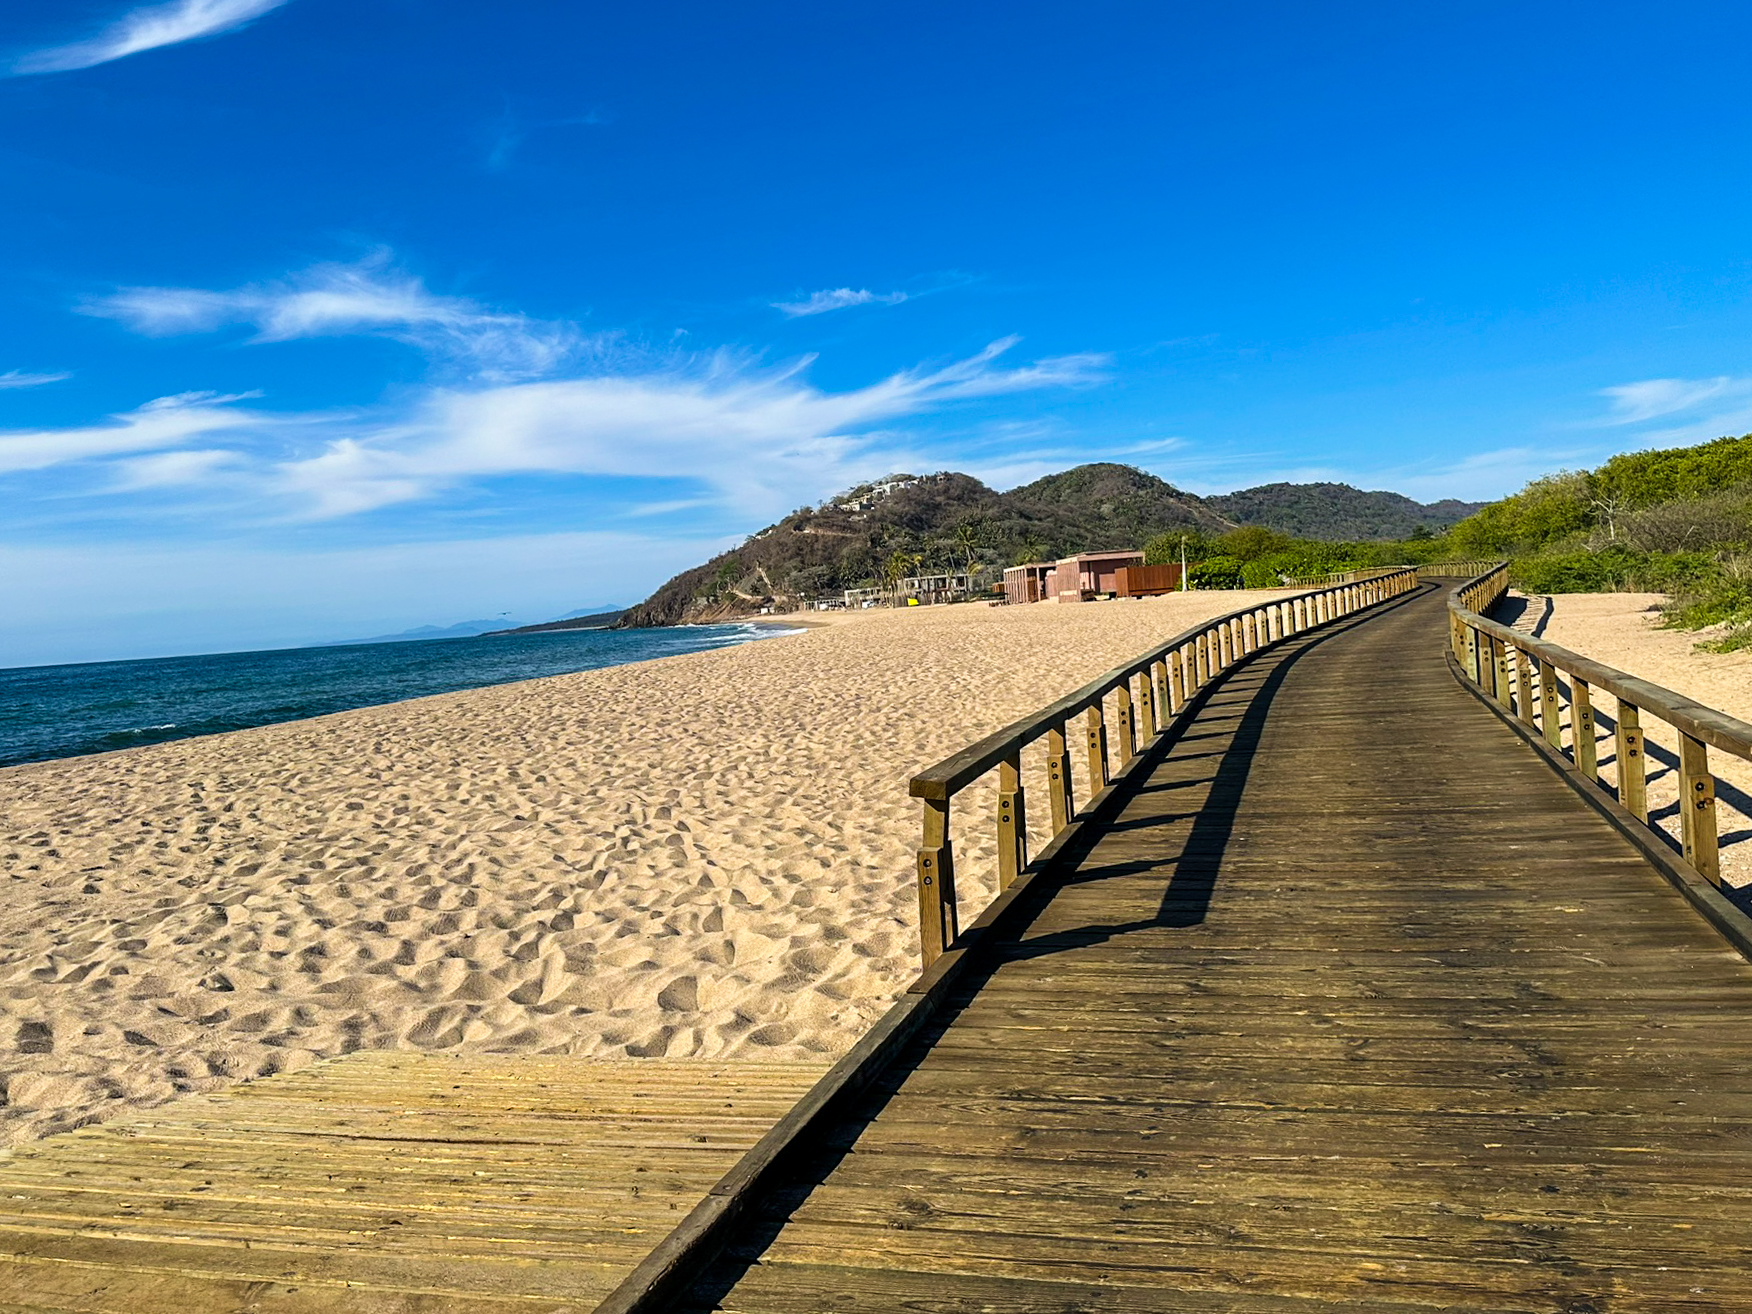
(1186, 899)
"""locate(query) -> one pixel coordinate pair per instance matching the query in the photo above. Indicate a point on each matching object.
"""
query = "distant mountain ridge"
(1338, 512)
(939, 521)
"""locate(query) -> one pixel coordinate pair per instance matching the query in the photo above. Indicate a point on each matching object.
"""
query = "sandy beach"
(1621, 629)
(705, 855)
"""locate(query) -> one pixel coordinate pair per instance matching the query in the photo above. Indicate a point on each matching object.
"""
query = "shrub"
(1546, 510)
(1165, 549)
(1250, 543)
(1643, 478)
(1258, 575)
(1216, 573)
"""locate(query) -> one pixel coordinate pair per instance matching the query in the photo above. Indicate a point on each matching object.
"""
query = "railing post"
(1147, 721)
(1128, 722)
(1177, 689)
(1499, 653)
(937, 911)
(1164, 703)
(1474, 667)
(1012, 822)
(1225, 640)
(1201, 660)
(1633, 776)
(1523, 685)
(1550, 715)
(1097, 728)
(1582, 728)
(1274, 622)
(1058, 778)
(1697, 824)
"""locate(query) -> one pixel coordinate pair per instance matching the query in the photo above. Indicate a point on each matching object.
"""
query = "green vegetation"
(1258, 558)
(1675, 521)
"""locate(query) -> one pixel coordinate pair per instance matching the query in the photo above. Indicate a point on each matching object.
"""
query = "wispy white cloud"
(1478, 477)
(507, 134)
(838, 298)
(147, 28)
(1636, 403)
(758, 439)
(165, 423)
(22, 379)
(365, 298)
(171, 469)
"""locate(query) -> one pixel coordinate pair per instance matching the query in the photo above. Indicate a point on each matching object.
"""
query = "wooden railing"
(1522, 674)
(1148, 692)
(1339, 577)
(1455, 569)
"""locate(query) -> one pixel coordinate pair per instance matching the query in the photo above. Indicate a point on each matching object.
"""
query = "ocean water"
(64, 711)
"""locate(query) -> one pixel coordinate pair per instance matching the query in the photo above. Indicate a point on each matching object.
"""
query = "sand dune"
(704, 855)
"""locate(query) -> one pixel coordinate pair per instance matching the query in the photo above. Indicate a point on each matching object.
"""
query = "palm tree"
(968, 537)
(894, 570)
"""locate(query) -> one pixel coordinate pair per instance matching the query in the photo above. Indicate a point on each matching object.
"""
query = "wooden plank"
(382, 1182)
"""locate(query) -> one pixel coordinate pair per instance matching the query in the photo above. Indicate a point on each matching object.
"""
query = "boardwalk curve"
(1352, 1004)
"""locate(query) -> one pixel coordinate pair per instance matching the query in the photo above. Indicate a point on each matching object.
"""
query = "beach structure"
(919, 590)
(1146, 581)
(1352, 975)
(1089, 575)
(1027, 582)
(928, 590)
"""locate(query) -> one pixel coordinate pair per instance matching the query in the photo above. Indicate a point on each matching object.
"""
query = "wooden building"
(1146, 581)
(1089, 575)
(1027, 582)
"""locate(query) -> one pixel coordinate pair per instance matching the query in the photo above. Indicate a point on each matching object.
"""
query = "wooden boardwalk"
(381, 1183)
(1356, 1005)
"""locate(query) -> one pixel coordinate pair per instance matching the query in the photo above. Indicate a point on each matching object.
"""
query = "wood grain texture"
(381, 1183)
(1354, 1006)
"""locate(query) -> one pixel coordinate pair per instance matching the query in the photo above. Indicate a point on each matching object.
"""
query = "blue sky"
(331, 318)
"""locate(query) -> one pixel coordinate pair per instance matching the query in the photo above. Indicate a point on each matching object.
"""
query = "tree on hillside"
(898, 566)
(968, 537)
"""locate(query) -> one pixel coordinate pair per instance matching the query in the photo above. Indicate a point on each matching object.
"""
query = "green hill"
(1337, 512)
(945, 521)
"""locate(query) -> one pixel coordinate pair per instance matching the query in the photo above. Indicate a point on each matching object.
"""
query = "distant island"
(602, 620)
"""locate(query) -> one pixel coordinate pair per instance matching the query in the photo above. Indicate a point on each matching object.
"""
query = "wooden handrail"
(1486, 650)
(1168, 677)
(1455, 569)
(1339, 577)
